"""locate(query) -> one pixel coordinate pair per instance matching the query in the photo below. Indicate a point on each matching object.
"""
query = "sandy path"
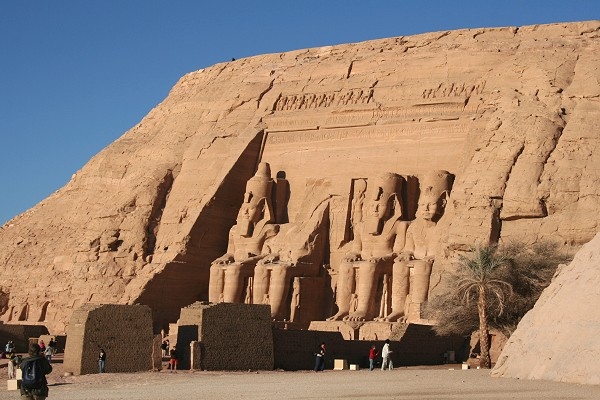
(401, 383)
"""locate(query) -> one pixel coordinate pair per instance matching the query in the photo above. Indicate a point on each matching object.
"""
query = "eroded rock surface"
(512, 113)
(558, 339)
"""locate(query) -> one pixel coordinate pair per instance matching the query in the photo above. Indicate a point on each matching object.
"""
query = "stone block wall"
(231, 336)
(156, 352)
(195, 355)
(294, 349)
(420, 345)
(123, 331)
(412, 345)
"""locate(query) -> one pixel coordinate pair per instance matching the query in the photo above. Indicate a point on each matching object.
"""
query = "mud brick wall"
(20, 334)
(231, 336)
(412, 345)
(123, 331)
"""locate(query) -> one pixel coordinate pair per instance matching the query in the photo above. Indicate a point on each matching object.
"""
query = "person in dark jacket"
(320, 358)
(102, 361)
(42, 392)
(173, 359)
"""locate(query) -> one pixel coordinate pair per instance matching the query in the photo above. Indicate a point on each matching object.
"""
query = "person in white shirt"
(386, 355)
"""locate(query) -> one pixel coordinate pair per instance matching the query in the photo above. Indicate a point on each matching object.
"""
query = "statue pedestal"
(375, 330)
(349, 330)
(415, 315)
(370, 330)
(414, 312)
(290, 325)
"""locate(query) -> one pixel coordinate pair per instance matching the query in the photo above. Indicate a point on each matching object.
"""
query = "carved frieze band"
(319, 100)
(442, 102)
(451, 89)
(304, 101)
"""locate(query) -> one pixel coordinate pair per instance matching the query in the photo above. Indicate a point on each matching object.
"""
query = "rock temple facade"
(335, 183)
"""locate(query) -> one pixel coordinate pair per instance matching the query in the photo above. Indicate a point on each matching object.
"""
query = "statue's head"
(435, 187)
(384, 202)
(257, 201)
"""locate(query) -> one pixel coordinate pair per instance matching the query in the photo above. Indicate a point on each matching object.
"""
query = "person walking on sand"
(173, 359)
(49, 352)
(11, 367)
(320, 358)
(372, 354)
(386, 354)
(102, 361)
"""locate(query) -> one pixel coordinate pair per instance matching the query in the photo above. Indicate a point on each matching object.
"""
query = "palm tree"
(478, 282)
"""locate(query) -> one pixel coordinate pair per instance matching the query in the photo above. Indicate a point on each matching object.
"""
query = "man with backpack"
(34, 368)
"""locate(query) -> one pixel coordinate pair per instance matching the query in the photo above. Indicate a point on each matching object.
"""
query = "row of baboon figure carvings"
(305, 101)
(384, 275)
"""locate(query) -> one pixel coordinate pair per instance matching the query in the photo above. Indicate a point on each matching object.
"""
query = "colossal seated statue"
(230, 273)
(412, 268)
(377, 240)
(297, 251)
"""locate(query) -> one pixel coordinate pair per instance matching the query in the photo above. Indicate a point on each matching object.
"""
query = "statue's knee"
(401, 269)
(423, 268)
(368, 268)
(215, 269)
(260, 270)
(345, 270)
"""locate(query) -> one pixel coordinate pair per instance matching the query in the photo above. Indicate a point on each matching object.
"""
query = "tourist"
(13, 364)
(102, 361)
(11, 367)
(42, 347)
(37, 390)
(372, 354)
(163, 348)
(10, 348)
(173, 359)
(52, 343)
(320, 358)
(386, 356)
(49, 352)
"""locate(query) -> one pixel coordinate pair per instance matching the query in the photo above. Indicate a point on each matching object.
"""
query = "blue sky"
(77, 74)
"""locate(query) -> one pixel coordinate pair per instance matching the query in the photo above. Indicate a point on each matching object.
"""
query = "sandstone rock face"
(512, 113)
(558, 339)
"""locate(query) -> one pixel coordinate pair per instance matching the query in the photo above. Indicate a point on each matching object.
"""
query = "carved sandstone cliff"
(512, 113)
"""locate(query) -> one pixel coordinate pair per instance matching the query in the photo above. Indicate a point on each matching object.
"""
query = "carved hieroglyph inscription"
(385, 132)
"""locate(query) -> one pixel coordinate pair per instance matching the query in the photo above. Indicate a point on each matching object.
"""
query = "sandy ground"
(402, 383)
